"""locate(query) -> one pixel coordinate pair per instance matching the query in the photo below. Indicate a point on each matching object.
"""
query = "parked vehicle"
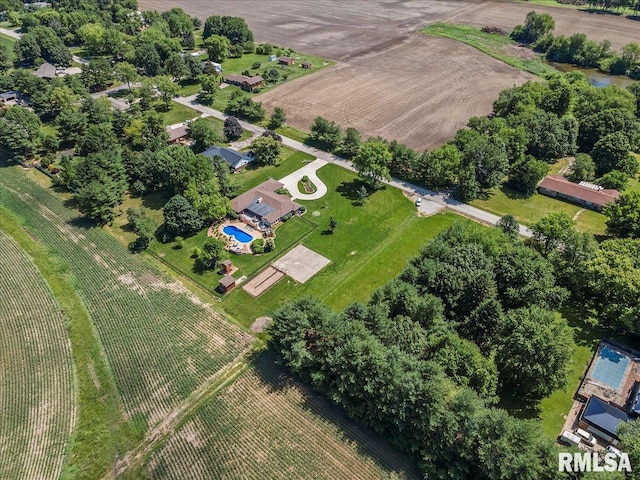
(586, 436)
(569, 438)
(614, 450)
(419, 201)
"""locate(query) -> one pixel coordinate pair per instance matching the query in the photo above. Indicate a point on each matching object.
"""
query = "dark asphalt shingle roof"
(603, 415)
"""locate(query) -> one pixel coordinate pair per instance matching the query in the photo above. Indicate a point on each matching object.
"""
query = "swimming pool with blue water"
(239, 235)
(610, 367)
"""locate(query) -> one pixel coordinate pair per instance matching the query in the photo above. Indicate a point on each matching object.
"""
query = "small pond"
(596, 77)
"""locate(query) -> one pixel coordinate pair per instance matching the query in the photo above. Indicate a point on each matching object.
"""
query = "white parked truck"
(586, 436)
(569, 438)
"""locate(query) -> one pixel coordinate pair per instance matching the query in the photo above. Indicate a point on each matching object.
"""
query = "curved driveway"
(291, 181)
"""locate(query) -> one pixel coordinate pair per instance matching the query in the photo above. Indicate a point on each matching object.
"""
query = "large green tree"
(551, 231)
(623, 216)
(372, 161)
(180, 218)
(536, 26)
(217, 47)
(266, 150)
(534, 353)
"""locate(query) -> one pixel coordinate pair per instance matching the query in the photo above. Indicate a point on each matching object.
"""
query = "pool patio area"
(232, 244)
(611, 373)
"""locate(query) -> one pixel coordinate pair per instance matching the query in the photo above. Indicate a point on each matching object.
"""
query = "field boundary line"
(167, 427)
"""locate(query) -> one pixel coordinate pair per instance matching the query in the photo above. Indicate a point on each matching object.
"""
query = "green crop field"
(161, 341)
(269, 426)
(37, 404)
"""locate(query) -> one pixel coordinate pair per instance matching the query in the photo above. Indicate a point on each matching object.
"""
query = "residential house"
(602, 419)
(591, 197)
(235, 159)
(46, 71)
(10, 98)
(262, 207)
(244, 82)
(178, 134)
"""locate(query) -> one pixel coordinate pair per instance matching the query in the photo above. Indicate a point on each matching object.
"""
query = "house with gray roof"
(603, 419)
(46, 71)
(236, 160)
(262, 206)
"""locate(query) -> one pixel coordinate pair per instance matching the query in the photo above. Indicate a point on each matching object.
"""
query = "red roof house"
(557, 186)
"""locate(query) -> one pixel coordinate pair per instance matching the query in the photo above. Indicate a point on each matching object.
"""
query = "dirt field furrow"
(390, 80)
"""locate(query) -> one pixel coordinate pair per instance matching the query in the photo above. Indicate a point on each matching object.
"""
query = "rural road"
(441, 198)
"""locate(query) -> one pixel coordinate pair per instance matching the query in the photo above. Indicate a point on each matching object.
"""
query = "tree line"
(577, 49)
(471, 319)
(425, 360)
(532, 126)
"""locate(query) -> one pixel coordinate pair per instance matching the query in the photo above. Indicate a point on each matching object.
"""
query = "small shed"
(273, 58)
(306, 65)
(227, 266)
(226, 284)
(286, 61)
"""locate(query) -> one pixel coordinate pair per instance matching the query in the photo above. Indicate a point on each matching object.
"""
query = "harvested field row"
(160, 340)
(419, 92)
(389, 81)
(267, 425)
(36, 385)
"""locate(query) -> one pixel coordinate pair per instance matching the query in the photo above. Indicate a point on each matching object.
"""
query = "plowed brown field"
(389, 80)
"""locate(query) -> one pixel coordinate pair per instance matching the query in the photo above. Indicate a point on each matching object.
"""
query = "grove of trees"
(423, 362)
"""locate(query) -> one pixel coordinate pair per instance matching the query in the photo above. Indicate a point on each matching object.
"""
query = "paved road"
(441, 198)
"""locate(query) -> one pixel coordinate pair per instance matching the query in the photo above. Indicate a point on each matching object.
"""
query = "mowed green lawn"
(177, 113)
(7, 41)
(505, 201)
(290, 161)
(369, 247)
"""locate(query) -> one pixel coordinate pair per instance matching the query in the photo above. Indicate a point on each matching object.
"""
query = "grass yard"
(370, 246)
(497, 46)
(268, 425)
(218, 125)
(239, 65)
(287, 236)
(505, 201)
(290, 161)
(293, 133)
(7, 41)
(49, 129)
(178, 113)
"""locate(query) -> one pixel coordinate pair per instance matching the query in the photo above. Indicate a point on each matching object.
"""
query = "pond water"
(596, 77)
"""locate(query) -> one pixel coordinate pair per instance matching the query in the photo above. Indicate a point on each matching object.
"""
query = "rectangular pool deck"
(611, 374)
